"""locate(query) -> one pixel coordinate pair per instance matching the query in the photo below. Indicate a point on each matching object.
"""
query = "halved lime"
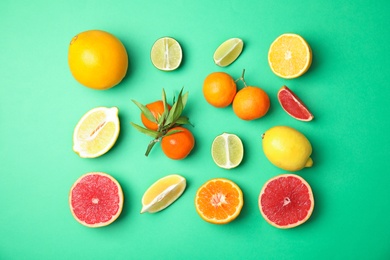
(228, 52)
(227, 151)
(166, 54)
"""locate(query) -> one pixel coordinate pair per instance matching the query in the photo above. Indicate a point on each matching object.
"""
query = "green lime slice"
(166, 54)
(228, 52)
(227, 151)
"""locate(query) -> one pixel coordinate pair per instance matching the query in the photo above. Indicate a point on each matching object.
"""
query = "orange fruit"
(251, 103)
(219, 89)
(289, 56)
(97, 59)
(219, 201)
(157, 109)
(178, 145)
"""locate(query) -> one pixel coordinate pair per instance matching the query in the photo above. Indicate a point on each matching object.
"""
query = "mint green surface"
(346, 89)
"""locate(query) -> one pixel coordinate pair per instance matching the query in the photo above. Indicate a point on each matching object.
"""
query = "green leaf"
(172, 132)
(183, 120)
(152, 133)
(145, 111)
(184, 100)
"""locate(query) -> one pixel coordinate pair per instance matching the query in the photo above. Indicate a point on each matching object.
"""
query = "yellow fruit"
(228, 52)
(227, 151)
(287, 148)
(96, 132)
(289, 56)
(163, 193)
(166, 54)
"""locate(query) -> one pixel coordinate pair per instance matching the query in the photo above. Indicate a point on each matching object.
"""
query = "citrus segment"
(287, 148)
(219, 201)
(293, 105)
(163, 193)
(289, 56)
(96, 199)
(97, 59)
(286, 201)
(166, 54)
(96, 132)
(227, 151)
(228, 52)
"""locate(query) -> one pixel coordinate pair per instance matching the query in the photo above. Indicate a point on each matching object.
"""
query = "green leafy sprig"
(166, 121)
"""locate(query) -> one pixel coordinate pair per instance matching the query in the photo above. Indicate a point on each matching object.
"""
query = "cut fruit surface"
(228, 52)
(293, 105)
(96, 199)
(227, 151)
(219, 201)
(166, 54)
(289, 56)
(286, 201)
(163, 193)
(96, 132)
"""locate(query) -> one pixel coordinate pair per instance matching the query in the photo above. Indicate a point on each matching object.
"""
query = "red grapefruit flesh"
(286, 201)
(96, 199)
(293, 105)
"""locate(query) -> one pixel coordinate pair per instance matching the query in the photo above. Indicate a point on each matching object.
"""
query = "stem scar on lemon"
(167, 122)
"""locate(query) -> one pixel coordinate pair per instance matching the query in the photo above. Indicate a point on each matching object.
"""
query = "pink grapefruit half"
(293, 105)
(286, 201)
(96, 199)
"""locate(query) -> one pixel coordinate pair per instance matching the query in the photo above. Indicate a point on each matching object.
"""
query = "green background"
(346, 89)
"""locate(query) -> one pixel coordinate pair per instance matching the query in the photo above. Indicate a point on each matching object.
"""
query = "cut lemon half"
(228, 52)
(96, 132)
(289, 56)
(166, 54)
(227, 151)
(163, 193)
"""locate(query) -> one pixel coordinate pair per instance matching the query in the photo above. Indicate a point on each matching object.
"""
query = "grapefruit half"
(286, 201)
(96, 199)
(293, 105)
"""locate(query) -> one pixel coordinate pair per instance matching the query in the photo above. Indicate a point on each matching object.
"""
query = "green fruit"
(287, 148)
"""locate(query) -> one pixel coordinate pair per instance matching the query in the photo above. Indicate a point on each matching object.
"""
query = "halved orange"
(289, 56)
(219, 201)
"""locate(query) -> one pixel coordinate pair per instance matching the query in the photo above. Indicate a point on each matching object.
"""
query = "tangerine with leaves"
(97, 59)
(157, 109)
(178, 143)
(219, 89)
(250, 102)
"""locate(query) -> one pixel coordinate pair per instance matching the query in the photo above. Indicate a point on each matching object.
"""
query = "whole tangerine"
(178, 145)
(157, 109)
(219, 89)
(251, 103)
(97, 59)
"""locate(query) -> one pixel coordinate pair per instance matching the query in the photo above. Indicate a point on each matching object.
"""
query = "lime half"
(166, 54)
(227, 151)
(228, 52)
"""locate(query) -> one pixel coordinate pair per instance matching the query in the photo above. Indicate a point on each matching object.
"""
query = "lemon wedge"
(166, 54)
(228, 52)
(227, 151)
(163, 193)
(96, 132)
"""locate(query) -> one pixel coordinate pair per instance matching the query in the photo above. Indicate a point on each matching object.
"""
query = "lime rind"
(228, 52)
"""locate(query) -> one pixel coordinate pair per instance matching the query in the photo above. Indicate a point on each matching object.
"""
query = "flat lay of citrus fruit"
(96, 199)
(286, 201)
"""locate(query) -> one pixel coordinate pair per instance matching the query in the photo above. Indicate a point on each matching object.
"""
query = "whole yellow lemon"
(287, 148)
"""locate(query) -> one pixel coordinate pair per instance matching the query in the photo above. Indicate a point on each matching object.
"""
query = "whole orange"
(157, 109)
(219, 89)
(178, 145)
(97, 59)
(251, 103)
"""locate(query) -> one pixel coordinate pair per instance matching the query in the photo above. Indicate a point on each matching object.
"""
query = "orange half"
(219, 201)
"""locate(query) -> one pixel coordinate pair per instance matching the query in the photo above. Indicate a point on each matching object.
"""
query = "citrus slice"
(163, 193)
(219, 201)
(166, 54)
(289, 56)
(293, 105)
(96, 199)
(227, 151)
(286, 201)
(228, 52)
(96, 132)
